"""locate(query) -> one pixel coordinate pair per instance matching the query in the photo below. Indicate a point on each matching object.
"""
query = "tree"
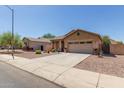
(18, 43)
(0, 40)
(106, 44)
(48, 35)
(6, 40)
(106, 40)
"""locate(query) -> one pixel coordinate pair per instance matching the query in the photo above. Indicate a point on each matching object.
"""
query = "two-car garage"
(80, 46)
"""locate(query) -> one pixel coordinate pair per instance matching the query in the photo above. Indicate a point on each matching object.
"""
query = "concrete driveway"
(63, 59)
(51, 67)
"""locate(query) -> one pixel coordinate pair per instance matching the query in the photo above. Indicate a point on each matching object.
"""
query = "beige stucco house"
(35, 43)
(78, 41)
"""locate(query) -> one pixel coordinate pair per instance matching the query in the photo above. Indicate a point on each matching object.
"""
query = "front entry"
(41, 48)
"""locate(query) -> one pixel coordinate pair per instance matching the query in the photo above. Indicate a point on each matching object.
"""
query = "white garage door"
(80, 47)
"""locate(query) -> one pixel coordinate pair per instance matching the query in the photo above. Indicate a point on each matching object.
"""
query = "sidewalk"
(65, 76)
(76, 78)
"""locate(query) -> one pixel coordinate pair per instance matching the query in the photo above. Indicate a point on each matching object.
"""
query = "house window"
(86, 42)
(73, 42)
(82, 42)
(89, 42)
(70, 42)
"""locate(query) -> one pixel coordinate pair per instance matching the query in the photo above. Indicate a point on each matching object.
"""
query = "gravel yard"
(111, 65)
(26, 54)
(31, 55)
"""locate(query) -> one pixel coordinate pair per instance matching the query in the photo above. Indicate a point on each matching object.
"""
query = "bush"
(37, 51)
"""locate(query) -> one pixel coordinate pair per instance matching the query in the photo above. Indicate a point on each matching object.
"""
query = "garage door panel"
(81, 48)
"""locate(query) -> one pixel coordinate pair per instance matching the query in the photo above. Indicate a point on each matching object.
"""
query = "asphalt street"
(11, 77)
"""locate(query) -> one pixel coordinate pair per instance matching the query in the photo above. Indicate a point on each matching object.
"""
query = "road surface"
(11, 77)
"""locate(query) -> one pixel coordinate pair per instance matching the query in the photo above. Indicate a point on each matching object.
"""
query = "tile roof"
(62, 37)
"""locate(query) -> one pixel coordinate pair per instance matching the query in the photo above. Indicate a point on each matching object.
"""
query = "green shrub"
(37, 51)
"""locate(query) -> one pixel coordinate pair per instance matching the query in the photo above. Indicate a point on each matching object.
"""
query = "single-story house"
(80, 41)
(34, 43)
(116, 48)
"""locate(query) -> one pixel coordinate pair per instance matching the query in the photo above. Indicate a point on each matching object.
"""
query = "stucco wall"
(37, 45)
(83, 36)
(117, 49)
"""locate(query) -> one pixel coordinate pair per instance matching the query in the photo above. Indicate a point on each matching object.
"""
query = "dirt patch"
(112, 65)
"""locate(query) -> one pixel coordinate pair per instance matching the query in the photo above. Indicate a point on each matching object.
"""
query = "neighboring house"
(35, 43)
(113, 41)
(116, 48)
(79, 41)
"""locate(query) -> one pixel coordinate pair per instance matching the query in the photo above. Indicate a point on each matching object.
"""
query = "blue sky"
(34, 21)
